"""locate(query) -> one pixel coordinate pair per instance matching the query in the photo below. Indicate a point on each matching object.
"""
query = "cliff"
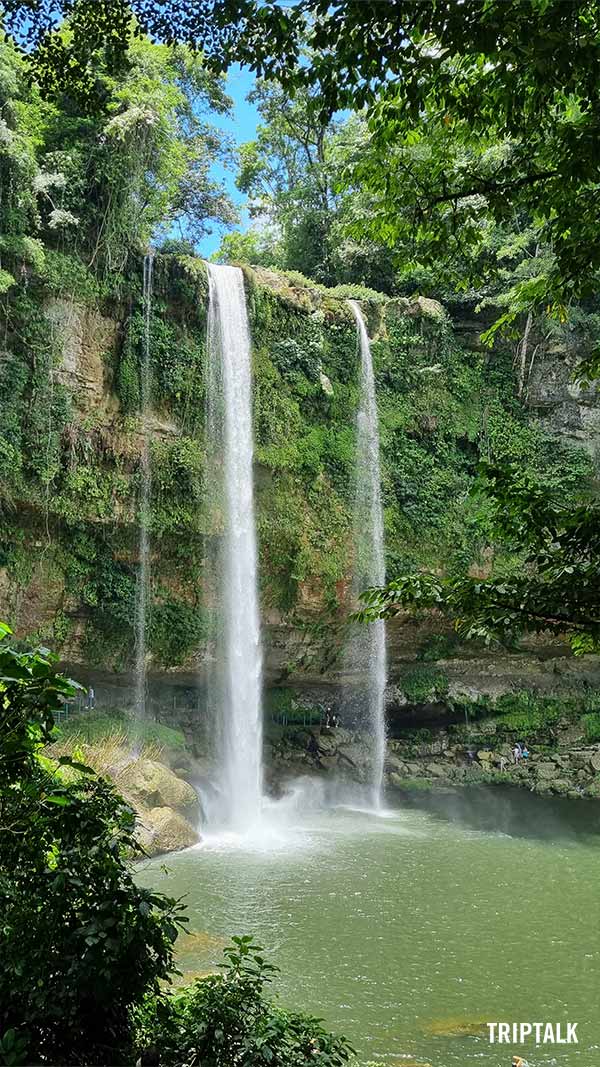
(69, 468)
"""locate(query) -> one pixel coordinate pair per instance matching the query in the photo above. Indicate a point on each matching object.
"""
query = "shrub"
(591, 725)
(81, 942)
(423, 684)
(226, 1019)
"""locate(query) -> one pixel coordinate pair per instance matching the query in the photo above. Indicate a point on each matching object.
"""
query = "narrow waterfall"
(239, 659)
(143, 575)
(369, 553)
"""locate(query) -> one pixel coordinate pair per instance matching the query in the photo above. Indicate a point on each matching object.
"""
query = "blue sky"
(242, 126)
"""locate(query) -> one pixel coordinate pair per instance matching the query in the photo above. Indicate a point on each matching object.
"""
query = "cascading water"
(238, 694)
(368, 646)
(143, 575)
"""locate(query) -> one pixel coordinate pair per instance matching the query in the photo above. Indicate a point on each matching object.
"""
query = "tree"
(554, 586)
(520, 73)
(103, 186)
(286, 174)
(85, 950)
(81, 943)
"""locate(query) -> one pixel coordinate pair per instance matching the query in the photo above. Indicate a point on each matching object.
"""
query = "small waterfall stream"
(369, 645)
(238, 695)
(143, 575)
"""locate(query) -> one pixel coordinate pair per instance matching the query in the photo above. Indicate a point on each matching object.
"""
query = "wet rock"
(395, 779)
(392, 763)
(198, 942)
(437, 770)
(595, 761)
(327, 745)
(329, 762)
(457, 1027)
(542, 786)
(149, 784)
(561, 787)
(164, 830)
(414, 769)
(547, 770)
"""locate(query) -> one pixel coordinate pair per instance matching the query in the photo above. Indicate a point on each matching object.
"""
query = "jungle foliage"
(87, 954)
(455, 135)
(81, 942)
(554, 589)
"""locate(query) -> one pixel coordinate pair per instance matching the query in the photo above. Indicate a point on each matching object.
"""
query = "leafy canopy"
(81, 942)
(85, 950)
(507, 90)
(556, 588)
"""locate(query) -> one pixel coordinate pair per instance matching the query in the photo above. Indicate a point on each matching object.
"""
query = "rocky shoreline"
(571, 770)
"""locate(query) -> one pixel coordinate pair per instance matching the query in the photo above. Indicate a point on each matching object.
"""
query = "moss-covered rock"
(162, 829)
(150, 784)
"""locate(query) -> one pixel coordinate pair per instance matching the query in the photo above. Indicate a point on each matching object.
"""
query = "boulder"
(328, 762)
(327, 745)
(437, 770)
(414, 769)
(394, 779)
(595, 761)
(392, 763)
(579, 760)
(149, 784)
(473, 770)
(163, 830)
(561, 786)
(547, 771)
(355, 755)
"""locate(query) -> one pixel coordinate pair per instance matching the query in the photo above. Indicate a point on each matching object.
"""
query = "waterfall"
(239, 663)
(369, 553)
(143, 576)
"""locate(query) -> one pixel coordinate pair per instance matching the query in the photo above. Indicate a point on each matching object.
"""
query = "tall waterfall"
(143, 576)
(239, 683)
(369, 548)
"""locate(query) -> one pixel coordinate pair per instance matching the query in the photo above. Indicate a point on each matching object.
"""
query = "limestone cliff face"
(68, 533)
(564, 408)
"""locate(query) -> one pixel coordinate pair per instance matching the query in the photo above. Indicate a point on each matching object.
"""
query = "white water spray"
(238, 694)
(143, 575)
(369, 546)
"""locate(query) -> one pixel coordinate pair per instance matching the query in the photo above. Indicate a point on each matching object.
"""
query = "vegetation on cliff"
(96, 167)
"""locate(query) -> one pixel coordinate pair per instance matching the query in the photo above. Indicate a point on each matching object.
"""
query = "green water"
(400, 930)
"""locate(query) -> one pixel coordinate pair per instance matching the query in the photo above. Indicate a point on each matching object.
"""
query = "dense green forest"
(396, 162)
(84, 193)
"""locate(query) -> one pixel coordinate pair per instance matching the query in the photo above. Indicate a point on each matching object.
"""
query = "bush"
(226, 1019)
(591, 725)
(81, 943)
(424, 685)
(526, 713)
(85, 951)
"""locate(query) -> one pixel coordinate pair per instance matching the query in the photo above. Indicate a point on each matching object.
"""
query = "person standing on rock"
(517, 753)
